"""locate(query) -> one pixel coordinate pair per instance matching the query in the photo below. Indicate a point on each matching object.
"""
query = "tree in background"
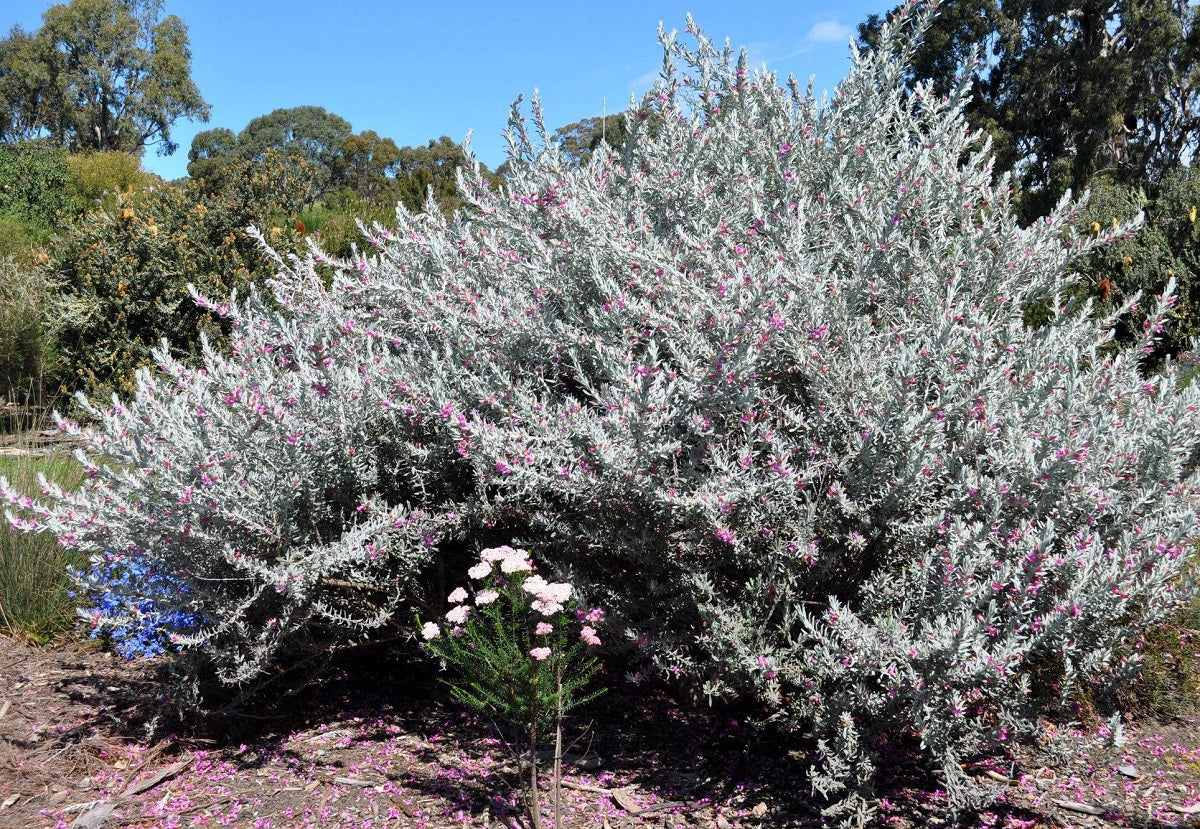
(309, 132)
(24, 87)
(100, 75)
(579, 140)
(430, 169)
(210, 154)
(1069, 89)
(366, 164)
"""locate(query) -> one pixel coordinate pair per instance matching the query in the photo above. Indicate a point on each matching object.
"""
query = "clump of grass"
(1169, 684)
(35, 601)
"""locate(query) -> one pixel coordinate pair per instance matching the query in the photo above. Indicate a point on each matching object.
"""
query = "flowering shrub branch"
(761, 378)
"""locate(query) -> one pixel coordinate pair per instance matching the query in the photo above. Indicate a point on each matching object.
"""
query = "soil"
(374, 743)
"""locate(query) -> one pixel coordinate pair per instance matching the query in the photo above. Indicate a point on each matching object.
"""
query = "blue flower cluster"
(127, 608)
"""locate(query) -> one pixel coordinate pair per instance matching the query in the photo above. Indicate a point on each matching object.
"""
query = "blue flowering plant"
(134, 607)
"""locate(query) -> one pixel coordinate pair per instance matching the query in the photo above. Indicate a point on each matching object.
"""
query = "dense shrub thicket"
(759, 383)
(1166, 247)
(122, 272)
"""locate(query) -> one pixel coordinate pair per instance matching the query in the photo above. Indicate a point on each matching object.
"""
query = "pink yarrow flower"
(516, 564)
(430, 631)
(480, 570)
(458, 615)
(494, 554)
(540, 654)
(588, 634)
(543, 628)
(486, 597)
(458, 596)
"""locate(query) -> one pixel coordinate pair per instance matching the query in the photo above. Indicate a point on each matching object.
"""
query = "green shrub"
(101, 179)
(1166, 246)
(123, 272)
(34, 185)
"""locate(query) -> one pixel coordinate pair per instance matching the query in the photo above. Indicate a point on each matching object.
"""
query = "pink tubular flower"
(588, 634)
(540, 653)
(543, 628)
(458, 596)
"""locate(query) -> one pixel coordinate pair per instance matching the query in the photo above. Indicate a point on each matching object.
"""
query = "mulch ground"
(374, 744)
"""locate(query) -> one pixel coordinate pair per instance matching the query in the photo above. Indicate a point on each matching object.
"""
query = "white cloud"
(642, 83)
(828, 31)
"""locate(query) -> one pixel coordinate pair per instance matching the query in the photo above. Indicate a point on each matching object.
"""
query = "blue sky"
(416, 71)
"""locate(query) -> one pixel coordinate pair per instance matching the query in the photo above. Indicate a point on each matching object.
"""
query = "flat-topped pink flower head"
(540, 653)
(480, 570)
(458, 615)
(516, 564)
(486, 597)
(458, 596)
(494, 554)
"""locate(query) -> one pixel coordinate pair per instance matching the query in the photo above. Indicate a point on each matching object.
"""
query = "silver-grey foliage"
(762, 379)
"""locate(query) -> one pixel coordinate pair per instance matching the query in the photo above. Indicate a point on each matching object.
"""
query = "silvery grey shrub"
(761, 379)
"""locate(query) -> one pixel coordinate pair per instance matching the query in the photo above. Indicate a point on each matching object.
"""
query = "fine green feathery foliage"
(517, 658)
(103, 179)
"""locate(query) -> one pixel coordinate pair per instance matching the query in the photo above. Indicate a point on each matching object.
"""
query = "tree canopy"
(99, 75)
(309, 132)
(1069, 89)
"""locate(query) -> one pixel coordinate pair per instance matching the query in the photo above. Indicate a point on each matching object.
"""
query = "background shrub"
(34, 197)
(122, 272)
(28, 359)
(34, 182)
(760, 382)
(1165, 247)
(101, 179)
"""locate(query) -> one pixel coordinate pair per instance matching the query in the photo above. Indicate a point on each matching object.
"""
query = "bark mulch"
(375, 744)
